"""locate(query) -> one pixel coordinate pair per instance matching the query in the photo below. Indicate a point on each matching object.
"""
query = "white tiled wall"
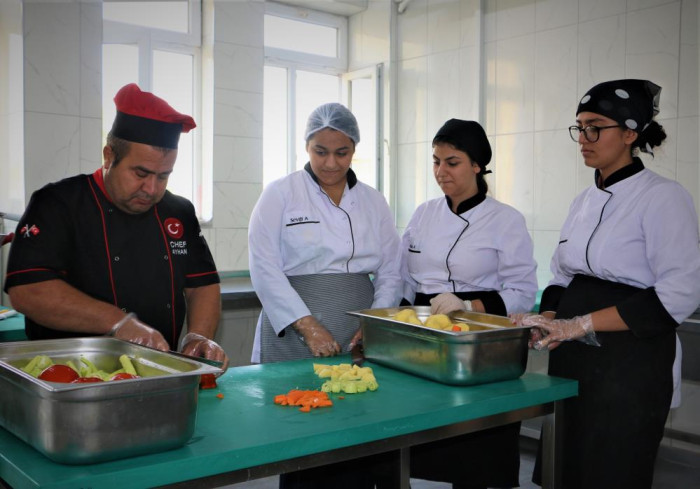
(538, 58)
(62, 90)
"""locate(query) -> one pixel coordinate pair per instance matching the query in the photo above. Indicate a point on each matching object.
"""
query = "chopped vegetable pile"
(435, 321)
(346, 378)
(42, 367)
(305, 399)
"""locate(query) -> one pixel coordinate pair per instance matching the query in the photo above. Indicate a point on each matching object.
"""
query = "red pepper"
(83, 380)
(207, 381)
(59, 373)
(124, 376)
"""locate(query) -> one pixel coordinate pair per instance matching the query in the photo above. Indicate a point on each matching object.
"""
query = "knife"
(357, 354)
(213, 363)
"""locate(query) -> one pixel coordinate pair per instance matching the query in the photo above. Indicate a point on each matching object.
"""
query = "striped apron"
(328, 296)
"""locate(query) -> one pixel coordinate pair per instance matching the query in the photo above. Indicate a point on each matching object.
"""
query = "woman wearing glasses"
(626, 273)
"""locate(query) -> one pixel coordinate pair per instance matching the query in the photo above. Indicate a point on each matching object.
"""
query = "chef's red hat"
(144, 118)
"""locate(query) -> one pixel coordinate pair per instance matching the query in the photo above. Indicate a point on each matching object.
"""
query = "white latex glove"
(316, 337)
(535, 333)
(196, 345)
(446, 303)
(579, 328)
(517, 317)
(131, 329)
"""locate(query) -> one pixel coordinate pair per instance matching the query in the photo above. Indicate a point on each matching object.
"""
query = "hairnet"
(335, 116)
(467, 136)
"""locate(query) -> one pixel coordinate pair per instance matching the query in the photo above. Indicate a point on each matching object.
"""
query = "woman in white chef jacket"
(467, 251)
(314, 238)
(626, 274)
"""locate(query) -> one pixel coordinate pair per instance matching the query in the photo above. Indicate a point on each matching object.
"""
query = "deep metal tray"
(493, 350)
(95, 422)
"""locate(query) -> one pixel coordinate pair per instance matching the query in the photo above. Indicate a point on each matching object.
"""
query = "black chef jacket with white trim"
(139, 262)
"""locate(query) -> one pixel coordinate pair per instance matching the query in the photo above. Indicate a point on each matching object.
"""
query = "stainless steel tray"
(95, 422)
(493, 349)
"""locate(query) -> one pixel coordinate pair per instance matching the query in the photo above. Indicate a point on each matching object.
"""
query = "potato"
(408, 316)
(439, 321)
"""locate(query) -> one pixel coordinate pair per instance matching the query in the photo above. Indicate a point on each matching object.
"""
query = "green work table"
(12, 328)
(244, 435)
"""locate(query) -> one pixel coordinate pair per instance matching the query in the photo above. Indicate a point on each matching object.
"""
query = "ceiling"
(337, 7)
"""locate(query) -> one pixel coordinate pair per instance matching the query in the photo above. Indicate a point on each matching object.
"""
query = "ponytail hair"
(651, 137)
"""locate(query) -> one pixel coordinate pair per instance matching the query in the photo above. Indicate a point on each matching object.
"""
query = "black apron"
(487, 458)
(613, 429)
(328, 296)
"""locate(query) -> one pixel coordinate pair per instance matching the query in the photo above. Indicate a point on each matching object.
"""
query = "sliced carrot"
(305, 399)
(220, 395)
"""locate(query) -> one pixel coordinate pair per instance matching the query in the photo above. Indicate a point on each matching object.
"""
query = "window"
(158, 46)
(305, 56)
(362, 93)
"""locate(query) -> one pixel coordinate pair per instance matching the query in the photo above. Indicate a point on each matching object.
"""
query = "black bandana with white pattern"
(630, 103)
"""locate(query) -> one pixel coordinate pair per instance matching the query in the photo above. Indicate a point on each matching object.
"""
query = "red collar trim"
(100, 181)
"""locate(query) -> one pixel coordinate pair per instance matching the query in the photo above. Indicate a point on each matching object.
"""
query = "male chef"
(115, 253)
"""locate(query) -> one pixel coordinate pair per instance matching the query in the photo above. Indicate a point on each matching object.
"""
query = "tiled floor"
(675, 469)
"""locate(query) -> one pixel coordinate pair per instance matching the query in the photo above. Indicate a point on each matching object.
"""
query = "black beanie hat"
(467, 136)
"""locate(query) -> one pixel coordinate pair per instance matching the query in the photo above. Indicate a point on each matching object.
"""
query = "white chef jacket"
(486, 248)
(295, 229)
(640, 231)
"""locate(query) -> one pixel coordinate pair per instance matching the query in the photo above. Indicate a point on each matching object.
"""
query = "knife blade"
(357, 354)
(213, 363)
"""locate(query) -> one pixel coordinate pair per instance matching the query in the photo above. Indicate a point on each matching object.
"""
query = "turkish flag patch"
(28, 231)
(174, 228)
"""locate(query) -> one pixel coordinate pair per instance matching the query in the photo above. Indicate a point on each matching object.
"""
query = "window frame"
(293, 61)
(150, 39)
(375, 75)
(325, 64)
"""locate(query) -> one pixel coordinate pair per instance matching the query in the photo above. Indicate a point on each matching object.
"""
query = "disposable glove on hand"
(579, 328)
(446, 303)
(196, 345)
(316, 337)
(517, 317)
(131, 329)
(535, 333)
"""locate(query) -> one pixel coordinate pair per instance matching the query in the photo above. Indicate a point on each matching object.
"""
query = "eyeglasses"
(591, 133)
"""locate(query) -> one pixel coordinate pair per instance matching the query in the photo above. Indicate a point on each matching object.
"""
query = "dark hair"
(481, 184)
(652, 137)
(121, 147)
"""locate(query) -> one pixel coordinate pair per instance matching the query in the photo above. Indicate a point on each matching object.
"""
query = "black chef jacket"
(140, 263)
